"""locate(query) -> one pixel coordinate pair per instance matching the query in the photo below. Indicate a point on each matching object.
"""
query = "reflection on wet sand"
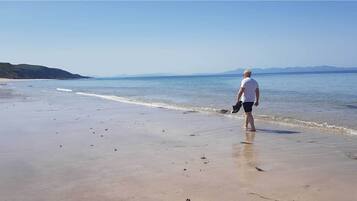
(246, 158)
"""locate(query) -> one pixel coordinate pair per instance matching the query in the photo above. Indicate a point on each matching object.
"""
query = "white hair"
(247, 72)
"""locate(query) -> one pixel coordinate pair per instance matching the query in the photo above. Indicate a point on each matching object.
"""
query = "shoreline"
(19, 80)
(4, 80)
(265, 118)
(279, 120)
(61, 146)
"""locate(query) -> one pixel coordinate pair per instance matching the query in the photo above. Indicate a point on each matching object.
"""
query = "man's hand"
(240, 93)
(257, 94)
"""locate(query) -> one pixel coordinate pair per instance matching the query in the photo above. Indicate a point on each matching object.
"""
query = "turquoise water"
(325, 99)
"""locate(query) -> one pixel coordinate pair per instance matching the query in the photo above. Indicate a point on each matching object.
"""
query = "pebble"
(259, 169)
(223, 111)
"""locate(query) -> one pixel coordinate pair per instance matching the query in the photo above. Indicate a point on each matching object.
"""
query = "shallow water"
(319, 99)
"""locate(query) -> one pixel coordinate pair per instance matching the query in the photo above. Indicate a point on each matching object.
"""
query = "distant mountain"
(26, 71)
(311, 69)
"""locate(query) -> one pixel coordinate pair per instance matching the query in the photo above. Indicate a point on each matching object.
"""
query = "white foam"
(311, 124)
(131, 101)
(63, 89)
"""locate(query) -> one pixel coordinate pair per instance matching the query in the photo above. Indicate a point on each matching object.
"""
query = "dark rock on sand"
(223, 111)
(312, 141)
(115, 149)
(259, 169)
(188, 112)
(203, 157)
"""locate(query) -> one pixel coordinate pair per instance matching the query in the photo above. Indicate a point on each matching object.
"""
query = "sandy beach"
(61, 146)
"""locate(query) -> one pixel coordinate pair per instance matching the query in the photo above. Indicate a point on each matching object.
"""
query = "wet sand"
(63, 146)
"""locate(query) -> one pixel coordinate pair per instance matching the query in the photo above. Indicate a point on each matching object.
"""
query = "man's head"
(247, 73)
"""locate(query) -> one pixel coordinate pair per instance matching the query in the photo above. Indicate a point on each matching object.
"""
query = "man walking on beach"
(248, 94)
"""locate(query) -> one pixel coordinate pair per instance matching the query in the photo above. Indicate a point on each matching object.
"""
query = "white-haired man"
(248, 95)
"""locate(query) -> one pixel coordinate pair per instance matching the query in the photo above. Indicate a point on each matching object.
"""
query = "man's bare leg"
(246, 121)
(250, 120)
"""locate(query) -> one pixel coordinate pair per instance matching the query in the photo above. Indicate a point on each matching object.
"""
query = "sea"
(322, 100)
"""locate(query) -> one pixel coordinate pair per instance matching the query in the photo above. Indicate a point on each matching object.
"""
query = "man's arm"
(257, 96)
(240, 93)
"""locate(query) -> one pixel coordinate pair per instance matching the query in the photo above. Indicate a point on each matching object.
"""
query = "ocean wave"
(268, 118)
(304, 123)
(132, 101)
(63, 89)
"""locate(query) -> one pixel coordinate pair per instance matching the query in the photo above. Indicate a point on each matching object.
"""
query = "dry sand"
(64, 147)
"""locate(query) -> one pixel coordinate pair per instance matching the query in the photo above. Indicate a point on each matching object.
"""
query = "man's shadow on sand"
(275, 131)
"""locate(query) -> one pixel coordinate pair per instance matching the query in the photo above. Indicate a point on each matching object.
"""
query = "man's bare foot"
(253, 130)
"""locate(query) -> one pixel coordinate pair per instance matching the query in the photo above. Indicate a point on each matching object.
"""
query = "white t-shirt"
(249, 85)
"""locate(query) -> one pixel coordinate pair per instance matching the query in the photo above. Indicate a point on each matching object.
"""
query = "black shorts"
(248, 106)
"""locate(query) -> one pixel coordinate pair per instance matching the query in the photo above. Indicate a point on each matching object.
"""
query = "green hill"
(26, 71)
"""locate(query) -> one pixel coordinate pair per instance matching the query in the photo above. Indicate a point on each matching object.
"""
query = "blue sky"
(111, 38)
